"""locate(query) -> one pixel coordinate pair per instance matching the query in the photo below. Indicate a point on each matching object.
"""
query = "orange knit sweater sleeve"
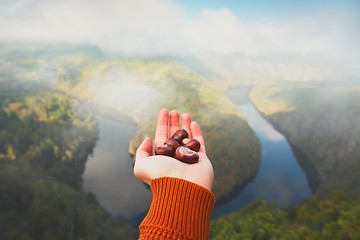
(179, 210)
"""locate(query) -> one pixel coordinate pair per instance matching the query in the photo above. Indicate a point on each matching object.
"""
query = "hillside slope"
(46, 138)
(321, 121)
(336, 217)
(140, 88)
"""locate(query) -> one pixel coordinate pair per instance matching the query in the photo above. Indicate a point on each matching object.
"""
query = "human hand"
(148, 167)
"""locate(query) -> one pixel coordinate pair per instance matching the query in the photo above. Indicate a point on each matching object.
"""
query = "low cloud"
(162, 27)
(122, 90)
(133, 27)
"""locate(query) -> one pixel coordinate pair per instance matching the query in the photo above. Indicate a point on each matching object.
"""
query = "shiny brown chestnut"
(172, 143)
(165, 150)
(179, 135)
(186, 155)
(193, 144)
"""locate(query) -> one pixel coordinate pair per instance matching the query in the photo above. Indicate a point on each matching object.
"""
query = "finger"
(197, 134)
(174, 122)
(186, 121)
(144, 150)
(162, 128)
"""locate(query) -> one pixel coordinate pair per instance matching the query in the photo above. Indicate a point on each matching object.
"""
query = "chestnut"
(186, 155)
(165, 150)
(179, 135)
(172, 143)
(193, 144)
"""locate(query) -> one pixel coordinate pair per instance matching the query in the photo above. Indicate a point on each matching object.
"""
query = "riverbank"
(279, 179)
(320, 120)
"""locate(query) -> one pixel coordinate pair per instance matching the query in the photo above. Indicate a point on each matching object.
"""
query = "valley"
(59, 102)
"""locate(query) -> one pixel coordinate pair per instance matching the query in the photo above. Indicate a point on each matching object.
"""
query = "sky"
(251, 10)
(309, 30)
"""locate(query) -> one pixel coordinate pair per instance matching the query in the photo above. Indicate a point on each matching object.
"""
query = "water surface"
(279, 179)
(109, 172)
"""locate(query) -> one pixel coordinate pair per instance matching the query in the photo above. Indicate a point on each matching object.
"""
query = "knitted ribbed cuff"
(179, 210)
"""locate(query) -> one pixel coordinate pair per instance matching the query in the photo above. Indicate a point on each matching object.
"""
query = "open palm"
(148, 167)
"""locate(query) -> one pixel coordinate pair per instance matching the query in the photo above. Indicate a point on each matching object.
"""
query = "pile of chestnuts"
(174, 147)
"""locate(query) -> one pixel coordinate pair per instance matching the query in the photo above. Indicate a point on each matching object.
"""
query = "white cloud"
(324, 33)
(123, 90)
(146, 27)
(216, 30)
(322, 46)
(139, 26)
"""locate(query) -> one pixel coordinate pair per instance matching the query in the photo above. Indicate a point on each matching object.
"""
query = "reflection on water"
(279, 179)
(109, 172)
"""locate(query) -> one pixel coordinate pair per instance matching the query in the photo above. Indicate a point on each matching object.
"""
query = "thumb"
(145, 149)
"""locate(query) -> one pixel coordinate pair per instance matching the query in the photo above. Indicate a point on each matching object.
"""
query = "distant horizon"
(315, 39)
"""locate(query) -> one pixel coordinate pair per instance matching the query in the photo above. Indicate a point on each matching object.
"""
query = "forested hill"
(46, 138)
(139, 88)
(336, 218)
(45, 142)
(321, 121)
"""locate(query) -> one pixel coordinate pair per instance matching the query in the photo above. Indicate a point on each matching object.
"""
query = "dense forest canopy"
(46, 137)
(337, 217)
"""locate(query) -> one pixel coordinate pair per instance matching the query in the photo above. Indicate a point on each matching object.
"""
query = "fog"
(124, 91)
(127, 59)
(313, 45)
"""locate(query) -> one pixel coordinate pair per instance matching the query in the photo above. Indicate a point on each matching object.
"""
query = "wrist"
(180, 208)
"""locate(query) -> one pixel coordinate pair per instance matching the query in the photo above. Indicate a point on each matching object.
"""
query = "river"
(279, 179)
(109, 172)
